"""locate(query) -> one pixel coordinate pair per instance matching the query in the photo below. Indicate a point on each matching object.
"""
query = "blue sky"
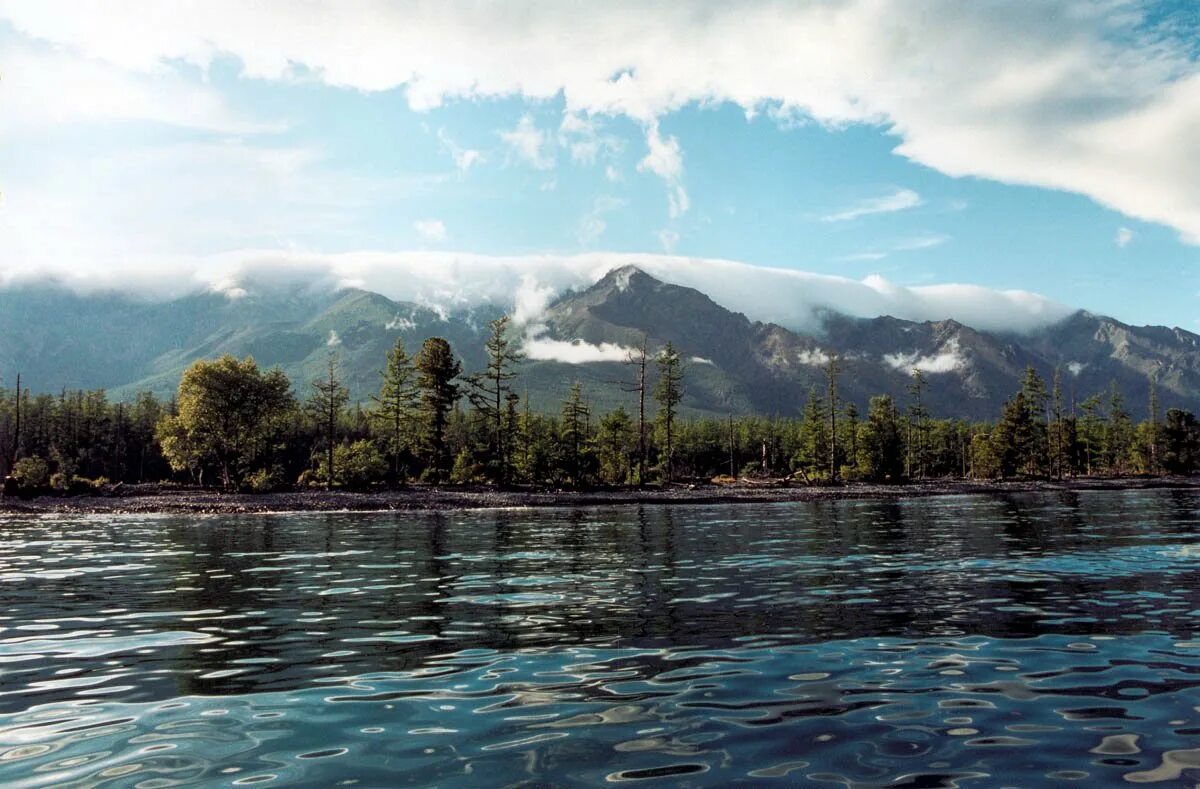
(1050, 148)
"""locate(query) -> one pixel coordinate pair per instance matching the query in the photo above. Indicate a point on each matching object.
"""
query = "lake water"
(1022, 640)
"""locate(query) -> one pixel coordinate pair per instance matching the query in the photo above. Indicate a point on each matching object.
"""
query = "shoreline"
(153, 499)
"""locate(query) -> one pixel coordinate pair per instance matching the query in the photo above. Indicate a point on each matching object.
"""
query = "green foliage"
(437, 372)
(31, 473)
(230, 419)
(881, 445)
(396, 409)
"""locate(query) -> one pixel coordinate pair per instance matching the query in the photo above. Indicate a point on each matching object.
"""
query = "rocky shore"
(162, 499)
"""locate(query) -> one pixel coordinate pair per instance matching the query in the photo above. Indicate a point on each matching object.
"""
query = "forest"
(237, 427)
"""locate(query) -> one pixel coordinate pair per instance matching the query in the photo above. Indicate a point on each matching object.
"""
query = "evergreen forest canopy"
(242, 428)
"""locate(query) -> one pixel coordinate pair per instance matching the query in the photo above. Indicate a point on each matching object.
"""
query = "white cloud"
(903, 245)
(593, 224)
(813, 357)
(449, 280)
(1123, 237)
(50, 87)
(334, 340)
(664, 158)
(700, 360)
(947, 359)
(900, 200)
(668, 238)
(611, 174)
(1075, 368)
(574, 351)
(1098, 99)
(530, 144)
(464, 158)
(431, 229)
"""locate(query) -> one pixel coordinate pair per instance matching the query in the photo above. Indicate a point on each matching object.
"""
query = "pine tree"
(668, 393)
(488, 389)
(575, 417)
(1036, 444)
(1154, 438)
(832, 370)
(917, 417)
(397, 403)
(637, 359)
(437, 370)
(326, 404)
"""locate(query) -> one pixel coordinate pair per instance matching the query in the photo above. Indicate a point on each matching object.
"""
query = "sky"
(926, 159)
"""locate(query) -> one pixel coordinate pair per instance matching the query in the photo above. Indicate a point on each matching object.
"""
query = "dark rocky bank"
(170, 499)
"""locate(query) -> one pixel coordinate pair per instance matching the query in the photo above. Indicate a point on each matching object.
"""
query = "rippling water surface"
(1023, 640)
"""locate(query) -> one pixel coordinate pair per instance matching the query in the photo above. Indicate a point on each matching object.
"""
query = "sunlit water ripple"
(1021, 640)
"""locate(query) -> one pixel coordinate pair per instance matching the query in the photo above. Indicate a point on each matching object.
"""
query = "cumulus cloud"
(948, 359)
(900, 200)
(574, 351)
(530, 144)
(665, 159)
(431, 229)
(1101, 99)
(1123, 237)
(451, 280)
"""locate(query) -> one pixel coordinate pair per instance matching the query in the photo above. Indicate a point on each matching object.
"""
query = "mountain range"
(60, 339)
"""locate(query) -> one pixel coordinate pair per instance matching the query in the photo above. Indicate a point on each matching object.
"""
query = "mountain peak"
(624, 277)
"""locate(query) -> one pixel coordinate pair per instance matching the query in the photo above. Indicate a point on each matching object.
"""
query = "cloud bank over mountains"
(1096, 98)
(450, 281)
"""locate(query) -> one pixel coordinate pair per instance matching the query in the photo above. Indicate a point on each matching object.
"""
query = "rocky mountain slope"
(60, 339)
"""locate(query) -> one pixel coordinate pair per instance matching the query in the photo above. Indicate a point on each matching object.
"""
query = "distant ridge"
(59, 339)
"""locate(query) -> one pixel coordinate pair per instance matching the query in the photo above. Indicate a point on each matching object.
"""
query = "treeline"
(239, 427)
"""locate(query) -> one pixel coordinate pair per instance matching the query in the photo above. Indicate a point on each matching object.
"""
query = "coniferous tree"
(437, 371)
(615, 446)
(1036, 445)
(917, 415)
(326, 403)
(668, 393)
(637, 359)
(488, 389)
(1181, 442)
(832, 370)
(397, 404)
(1118, 433)
(575, 417)
(881, 445)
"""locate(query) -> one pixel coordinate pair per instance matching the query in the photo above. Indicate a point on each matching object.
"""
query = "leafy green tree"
(488, 389)
(668, 393)
(326, 404)
(230, 417)
(397, 405)
(437, 371)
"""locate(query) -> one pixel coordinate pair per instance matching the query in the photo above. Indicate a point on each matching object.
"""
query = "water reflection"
(933, 642)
